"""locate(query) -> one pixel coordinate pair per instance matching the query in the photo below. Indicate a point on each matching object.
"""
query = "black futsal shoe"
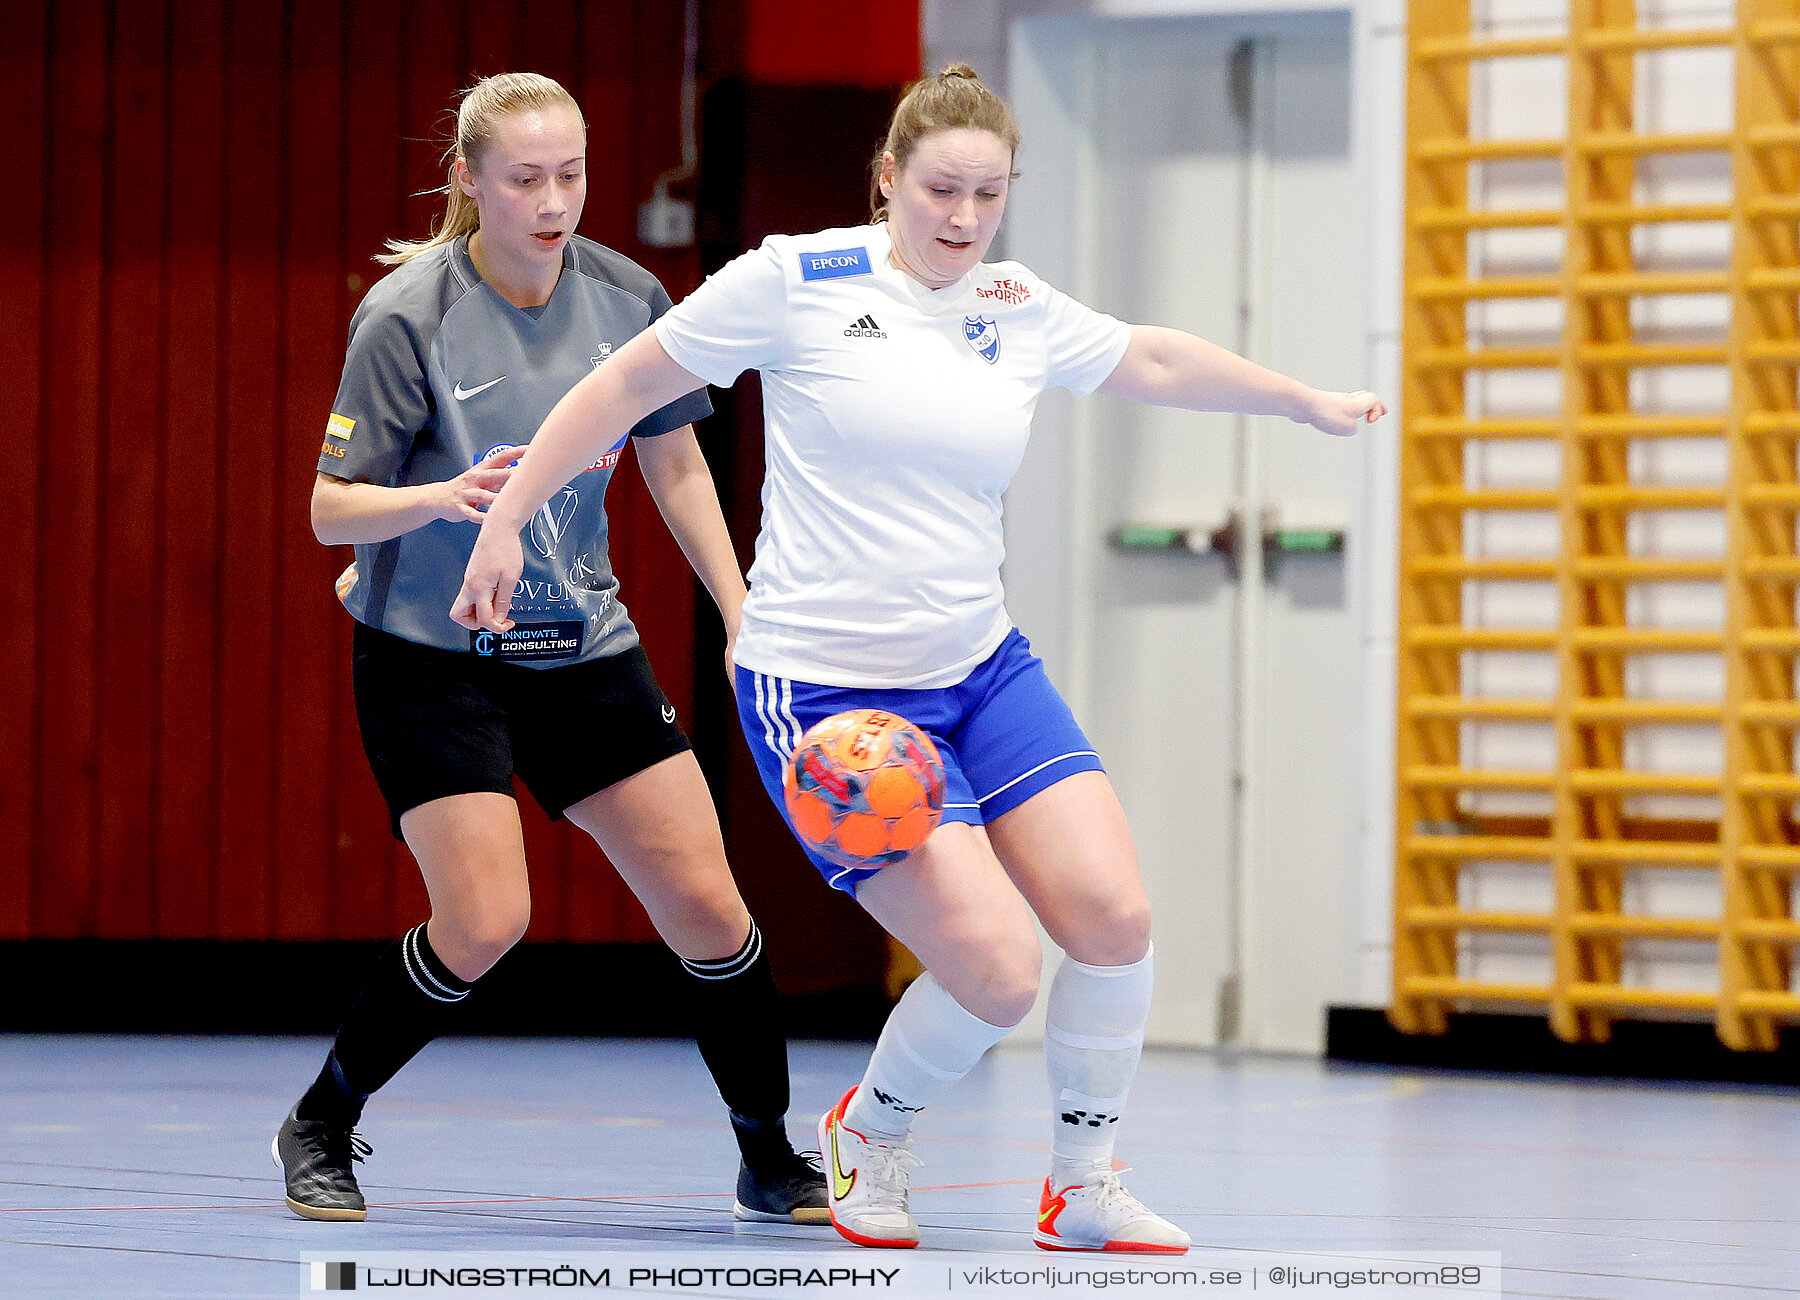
(315, 1156)
(789, 1188)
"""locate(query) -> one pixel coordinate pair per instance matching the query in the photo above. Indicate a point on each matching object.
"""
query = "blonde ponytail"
(477, 116)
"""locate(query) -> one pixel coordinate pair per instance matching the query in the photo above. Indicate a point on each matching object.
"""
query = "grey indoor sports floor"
(140, 1166)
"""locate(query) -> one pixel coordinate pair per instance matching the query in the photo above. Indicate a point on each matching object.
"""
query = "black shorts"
(439, 722)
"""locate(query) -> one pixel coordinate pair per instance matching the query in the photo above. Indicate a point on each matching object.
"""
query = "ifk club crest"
(983, 336)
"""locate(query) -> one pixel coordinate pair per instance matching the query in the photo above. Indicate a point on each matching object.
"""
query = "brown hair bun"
(954, 98)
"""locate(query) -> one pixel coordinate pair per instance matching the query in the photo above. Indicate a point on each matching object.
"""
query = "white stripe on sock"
(1093, 1043)
(911, 1054)
(724, 968)
(745, 952)
(430, 985)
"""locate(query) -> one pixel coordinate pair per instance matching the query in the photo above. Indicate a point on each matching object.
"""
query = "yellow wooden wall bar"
(1601, 83)
(1755, 946)
(1437, 110)
(1591, 843)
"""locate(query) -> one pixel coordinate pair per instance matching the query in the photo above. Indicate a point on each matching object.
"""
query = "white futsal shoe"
(1101, 1215)
(865, 1183)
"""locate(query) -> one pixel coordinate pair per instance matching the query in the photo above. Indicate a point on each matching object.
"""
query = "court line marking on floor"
(245, 1204)
(1524, 1148)
(1503, 1220)
(631, 1198)
(1494, 1226)
(119, 1169)
(1465, 1222)
(148, 1250)
(734, 1229)
(1509, 1270)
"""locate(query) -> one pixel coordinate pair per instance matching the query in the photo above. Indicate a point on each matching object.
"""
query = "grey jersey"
(441, 372)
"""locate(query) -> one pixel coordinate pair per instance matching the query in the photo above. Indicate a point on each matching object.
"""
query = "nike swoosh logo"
(840, 1183)
(462, 394)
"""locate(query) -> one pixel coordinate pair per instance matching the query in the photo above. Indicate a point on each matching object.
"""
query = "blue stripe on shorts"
(1003, 732)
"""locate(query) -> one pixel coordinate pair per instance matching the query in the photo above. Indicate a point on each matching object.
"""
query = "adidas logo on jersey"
(866, 328)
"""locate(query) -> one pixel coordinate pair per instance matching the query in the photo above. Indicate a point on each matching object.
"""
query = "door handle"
(1227, 540)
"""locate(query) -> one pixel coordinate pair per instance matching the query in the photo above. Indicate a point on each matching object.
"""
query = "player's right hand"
(469, 494)
(489, 582)
(1341, 414)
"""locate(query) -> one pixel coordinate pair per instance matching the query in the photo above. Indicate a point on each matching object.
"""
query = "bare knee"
(676, 868)
(1112, 932)
(1014, 986)
(702, 925)
(470, 939)
(694, 905)
(996, 977)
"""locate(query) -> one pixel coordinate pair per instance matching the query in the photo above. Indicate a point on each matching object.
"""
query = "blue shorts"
(1003, 732)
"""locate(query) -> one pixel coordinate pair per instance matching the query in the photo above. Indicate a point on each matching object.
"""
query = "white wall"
(1681, 90)
(1046, 560)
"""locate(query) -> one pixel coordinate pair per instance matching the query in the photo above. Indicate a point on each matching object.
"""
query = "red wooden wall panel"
(308, 669)
(185, 847)
(874, 43)
(179, 306)
(251, 366)
(373, 126)
(78, 61)
(179, 301)
(23, 83)
(130, 481)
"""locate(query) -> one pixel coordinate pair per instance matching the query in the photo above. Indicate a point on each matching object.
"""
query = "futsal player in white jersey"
(899, 375)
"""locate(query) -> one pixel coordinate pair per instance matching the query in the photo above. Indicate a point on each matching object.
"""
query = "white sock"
(928, 1043)
(1092, 1041)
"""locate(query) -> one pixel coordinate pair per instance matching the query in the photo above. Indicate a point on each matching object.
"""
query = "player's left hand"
(1342, 414)
(489, 581)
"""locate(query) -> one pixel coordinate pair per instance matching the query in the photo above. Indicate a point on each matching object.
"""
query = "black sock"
(738, 1029)
(762, 1141)
(408, 1000)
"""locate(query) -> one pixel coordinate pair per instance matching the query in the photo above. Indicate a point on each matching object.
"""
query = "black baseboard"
(198, 986)
(1516, 1044)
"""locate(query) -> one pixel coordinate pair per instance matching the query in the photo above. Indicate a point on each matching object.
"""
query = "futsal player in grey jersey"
(443, 375)
(455, 358)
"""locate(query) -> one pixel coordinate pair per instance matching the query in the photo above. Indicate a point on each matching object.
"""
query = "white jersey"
(895, 417)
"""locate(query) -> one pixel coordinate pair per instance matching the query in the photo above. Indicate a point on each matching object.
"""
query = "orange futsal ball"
(865, 788)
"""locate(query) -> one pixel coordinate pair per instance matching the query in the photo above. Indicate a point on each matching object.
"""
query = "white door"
(1194, 172)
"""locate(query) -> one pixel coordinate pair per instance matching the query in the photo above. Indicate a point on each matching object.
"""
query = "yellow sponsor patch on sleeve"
(340, 426)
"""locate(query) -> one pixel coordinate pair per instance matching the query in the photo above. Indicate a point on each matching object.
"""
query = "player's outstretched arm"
(591, 417)
(680, 483)
(1165, 367)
